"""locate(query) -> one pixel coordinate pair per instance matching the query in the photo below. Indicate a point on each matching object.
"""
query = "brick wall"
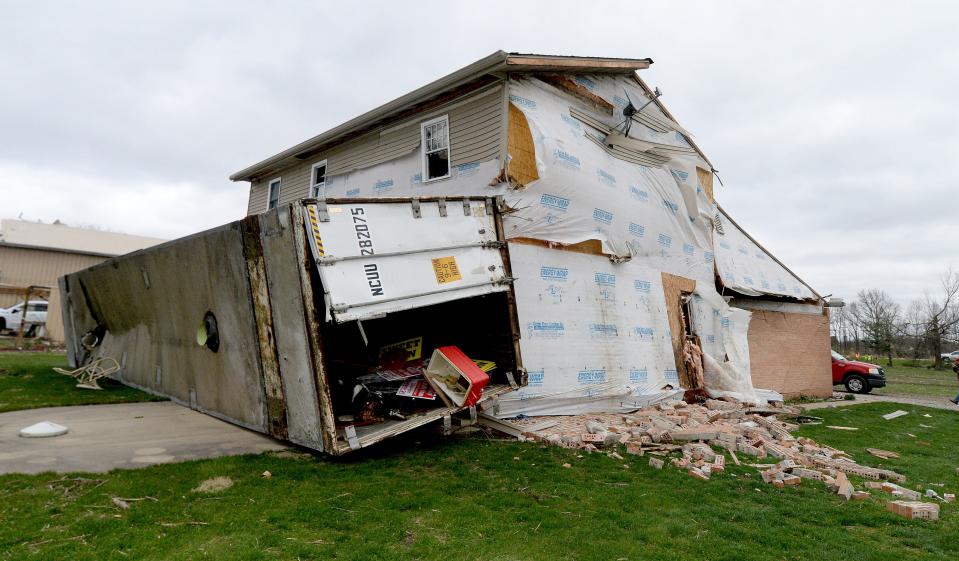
(789, 353)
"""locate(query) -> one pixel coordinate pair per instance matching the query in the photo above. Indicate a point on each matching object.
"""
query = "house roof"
(767, 252)
(498, 62)
(60, 237)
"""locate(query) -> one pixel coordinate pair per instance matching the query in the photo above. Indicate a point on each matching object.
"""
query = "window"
(436, 148)
(38, 307)
(317, 179)
(274, 199)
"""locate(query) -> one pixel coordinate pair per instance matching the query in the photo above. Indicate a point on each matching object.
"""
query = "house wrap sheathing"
(609, 234)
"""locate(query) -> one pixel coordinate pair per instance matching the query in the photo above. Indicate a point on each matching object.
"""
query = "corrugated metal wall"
(23, 267)
(476, 122)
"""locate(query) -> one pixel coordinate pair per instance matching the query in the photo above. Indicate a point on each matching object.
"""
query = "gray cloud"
(834, 127)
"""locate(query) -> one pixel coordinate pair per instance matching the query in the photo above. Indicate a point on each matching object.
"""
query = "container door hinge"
(447, 425)
(466, 207)
(322, 210)
(351, 438)
(415, 203)
(441, 203)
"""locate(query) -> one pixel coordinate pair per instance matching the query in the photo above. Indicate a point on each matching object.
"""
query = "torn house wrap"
(595, 333)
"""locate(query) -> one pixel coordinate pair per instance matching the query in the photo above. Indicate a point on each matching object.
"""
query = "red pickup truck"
(858, 377)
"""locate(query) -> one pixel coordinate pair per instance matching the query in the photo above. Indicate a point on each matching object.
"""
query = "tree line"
(875, 323)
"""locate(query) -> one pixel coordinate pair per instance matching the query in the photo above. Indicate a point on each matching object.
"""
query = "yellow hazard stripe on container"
(315, 227)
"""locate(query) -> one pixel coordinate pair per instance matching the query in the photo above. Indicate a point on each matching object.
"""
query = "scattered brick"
(914, 510)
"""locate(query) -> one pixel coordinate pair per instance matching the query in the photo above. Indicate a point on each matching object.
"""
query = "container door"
(380, 257)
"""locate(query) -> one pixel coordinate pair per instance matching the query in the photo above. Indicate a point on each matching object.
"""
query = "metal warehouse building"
(36, 254)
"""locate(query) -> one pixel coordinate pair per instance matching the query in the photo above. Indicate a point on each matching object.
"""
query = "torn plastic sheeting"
(658, 214)
(768, 395)
(723, 330)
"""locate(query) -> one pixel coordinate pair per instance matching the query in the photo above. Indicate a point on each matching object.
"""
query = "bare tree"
(877, 315)
(942, 313)
(840, 325)
(913, 328)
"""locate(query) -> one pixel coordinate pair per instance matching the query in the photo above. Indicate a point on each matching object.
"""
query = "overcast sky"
(834, 127)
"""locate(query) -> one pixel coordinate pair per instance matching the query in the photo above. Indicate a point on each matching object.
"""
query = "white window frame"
(424, 153)
(314, 192)
(278, 181)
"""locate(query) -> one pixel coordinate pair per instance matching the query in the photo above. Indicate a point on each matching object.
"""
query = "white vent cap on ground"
(43, 430)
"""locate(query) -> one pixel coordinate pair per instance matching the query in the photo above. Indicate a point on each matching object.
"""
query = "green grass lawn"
(421, 497)
(905, 378)
(9, 342)
(27, 381)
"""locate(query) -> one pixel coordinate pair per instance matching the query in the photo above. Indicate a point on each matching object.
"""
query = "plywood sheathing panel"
(578, 91)
(589, 247)
(673, 288)
(706, 180)
(521, 168)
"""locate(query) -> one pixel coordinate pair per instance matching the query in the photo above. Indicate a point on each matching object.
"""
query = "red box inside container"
(456, 378)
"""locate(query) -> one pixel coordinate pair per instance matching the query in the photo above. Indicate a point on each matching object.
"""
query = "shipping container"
(313, 322)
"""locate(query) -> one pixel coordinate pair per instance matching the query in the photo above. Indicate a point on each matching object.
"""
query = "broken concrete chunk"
(656, 463)
(895, 414)
(860, 495)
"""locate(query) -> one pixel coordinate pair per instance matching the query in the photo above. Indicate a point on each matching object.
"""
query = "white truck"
(36, 317)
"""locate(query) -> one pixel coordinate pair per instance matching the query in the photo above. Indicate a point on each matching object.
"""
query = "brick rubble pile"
(687, 436)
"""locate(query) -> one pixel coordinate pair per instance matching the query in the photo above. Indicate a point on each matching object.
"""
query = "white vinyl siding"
(475, 129)
(258, 196)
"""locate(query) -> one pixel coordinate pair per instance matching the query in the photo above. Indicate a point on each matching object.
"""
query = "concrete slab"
(128, 435)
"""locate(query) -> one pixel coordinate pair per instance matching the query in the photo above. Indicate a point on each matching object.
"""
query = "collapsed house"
(620, 249)
(546, 215)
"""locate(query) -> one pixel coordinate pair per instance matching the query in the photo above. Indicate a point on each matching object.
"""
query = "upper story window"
(436, 148)
(317, 179)
(274, 199)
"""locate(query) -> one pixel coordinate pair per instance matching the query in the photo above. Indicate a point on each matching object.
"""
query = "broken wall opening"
(371, 364)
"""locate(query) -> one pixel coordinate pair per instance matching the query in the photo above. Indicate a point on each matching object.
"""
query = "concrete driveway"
(934, 402)
(129, 435)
